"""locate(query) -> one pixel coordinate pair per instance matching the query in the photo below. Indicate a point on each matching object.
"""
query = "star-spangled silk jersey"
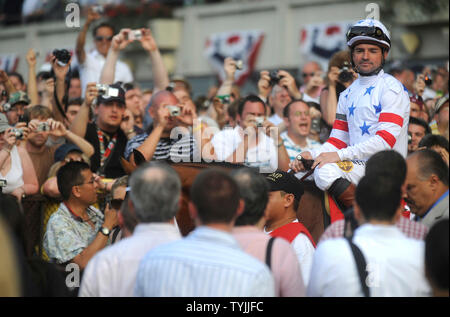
(372, 115)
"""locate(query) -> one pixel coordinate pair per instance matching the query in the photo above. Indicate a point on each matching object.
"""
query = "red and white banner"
(318, 42)
(9, 62)
(240, 45)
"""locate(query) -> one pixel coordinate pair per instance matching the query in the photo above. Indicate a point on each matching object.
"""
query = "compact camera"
(98, 9)
(106, 91)
(315, 125)
(239, 64)
(274, 78)
(18, 133)
(345, 75)
(428, 80)
(43, 127)
(62, 56)
(3, 183)
(174, 111)
(259, 121)
(135, 35)
(7, 107)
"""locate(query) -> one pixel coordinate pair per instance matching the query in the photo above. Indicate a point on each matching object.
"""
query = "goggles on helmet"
(369, 31)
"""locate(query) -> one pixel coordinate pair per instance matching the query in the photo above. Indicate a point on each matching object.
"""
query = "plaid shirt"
(411, 229)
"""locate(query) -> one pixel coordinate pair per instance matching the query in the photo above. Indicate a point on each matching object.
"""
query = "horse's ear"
(138, 157)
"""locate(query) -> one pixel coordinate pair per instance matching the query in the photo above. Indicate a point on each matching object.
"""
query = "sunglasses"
(99, 38)
(115, 203)
(126, 118)
(308, 75)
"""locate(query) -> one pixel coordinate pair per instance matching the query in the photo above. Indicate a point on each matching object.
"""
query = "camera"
(134, 35)
(7, 107)
(428, 80)
(98, 9)
(62, 56)
(3, 183)
(345, 75)
(315, 125)
(259, 121)
(18, 133)
(174, 110)
(274, 78)
(239, 64)
(106, 91)
(43, 127)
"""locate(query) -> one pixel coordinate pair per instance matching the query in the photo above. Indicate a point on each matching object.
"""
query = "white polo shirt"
(91, 69)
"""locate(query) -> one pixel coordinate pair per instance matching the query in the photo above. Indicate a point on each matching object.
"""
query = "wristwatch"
(105, 231)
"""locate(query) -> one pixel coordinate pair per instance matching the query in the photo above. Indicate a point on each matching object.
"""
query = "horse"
(313, 210)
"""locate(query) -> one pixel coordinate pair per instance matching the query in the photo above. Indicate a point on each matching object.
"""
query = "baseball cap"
(286, 182)
(65, 149)
(17, 97)
(441, 101)
(417, 100)
(119, 98)
(3, 123)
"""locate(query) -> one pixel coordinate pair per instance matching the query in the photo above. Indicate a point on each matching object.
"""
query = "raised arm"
(60, 87)
(4, 78)
(32, 84)
(160, 76)
(81, 39)
(80, 122)
(229, 66)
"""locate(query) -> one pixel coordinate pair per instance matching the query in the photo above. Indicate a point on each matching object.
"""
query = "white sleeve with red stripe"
(392, 119)
(339, 137)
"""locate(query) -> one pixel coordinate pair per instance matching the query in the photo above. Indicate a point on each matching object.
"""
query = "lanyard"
(104, 154)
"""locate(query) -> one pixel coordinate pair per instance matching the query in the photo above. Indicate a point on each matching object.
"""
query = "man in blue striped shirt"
(208, 262)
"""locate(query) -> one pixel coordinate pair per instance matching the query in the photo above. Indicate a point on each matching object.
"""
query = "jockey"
(372, 115)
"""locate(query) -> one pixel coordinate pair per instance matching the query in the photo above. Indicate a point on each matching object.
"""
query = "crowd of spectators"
(75, 137)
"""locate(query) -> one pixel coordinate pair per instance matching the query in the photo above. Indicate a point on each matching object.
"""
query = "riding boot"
(343, 192)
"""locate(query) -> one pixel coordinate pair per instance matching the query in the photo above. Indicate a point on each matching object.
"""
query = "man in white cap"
(371, 116)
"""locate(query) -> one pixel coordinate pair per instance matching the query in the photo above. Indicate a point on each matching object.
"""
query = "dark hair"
(18, 75)
(249, 98)
(75, 102)
(254, 190)
(233, 108)
(436, 254)
(69, 175)
(378, 196)
(429, 163)
(287, 108)
(431, 140)
(102, 25)
(389, 163)
(422, 123)
(11, 212)
(215, 195)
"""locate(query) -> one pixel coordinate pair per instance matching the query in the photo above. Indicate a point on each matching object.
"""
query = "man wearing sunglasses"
(372, 115)
(91, 63)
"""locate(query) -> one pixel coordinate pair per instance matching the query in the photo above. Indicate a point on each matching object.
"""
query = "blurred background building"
(194, 35)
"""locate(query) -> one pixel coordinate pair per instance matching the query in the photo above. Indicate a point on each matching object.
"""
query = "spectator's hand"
(419, 84)
(288, 82)
(315, 81)
(111, 219)
(49, 87)
(31, 58)
(269, 129)
(99, 184)
(263, 84)
(25, 129)
(60, 71)
(18, 193)
(91, 93)
(188, 114)
(162, 117)
(229, 65)
(127, 124)
(333, 75)
(314, 113)
(147, 41)
(57, 128)
(92, 16)
(120, 41)
(3, 76)
(297, 166)
(10, 139)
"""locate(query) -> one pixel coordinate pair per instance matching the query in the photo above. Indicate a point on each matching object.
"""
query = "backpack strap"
(361, 265)
(269, 251)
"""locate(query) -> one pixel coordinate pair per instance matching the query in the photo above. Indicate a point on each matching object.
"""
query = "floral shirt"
(66, 237)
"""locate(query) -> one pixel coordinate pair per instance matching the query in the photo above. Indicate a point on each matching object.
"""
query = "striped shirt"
(207, 263)
(293, 149)
(178, 150)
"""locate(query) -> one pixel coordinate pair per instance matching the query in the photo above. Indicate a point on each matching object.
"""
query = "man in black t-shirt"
(104, 132)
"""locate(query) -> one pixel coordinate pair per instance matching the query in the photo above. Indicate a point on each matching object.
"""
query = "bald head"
(163, 97)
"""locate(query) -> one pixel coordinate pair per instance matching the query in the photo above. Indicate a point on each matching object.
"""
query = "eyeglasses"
(115, 203)
(99, 38)
(126, 118)
(92, 181)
